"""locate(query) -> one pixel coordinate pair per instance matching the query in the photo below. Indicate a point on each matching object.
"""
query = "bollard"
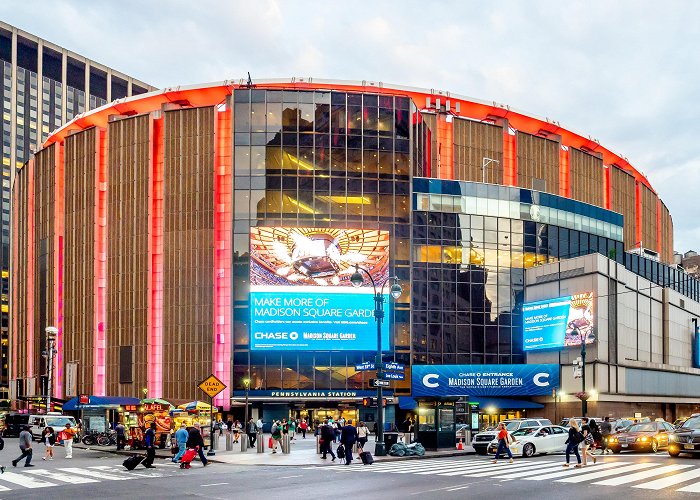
(229, 442)
(260, 442)
(244, 443)
(318, 445)
(286, 447)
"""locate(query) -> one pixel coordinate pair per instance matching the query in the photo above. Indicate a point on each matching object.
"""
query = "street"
(96, 473)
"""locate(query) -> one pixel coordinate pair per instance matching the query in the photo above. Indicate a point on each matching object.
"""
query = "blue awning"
(99, 402)
(406, 403)
(506, 403)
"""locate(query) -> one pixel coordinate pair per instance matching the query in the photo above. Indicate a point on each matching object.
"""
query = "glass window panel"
(274, 117)
(257, 117)
(290, 117)
(354, 120)
(242, 160)
(306, 117)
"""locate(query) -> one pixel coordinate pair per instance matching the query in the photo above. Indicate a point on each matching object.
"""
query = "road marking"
(139, 472)
(572, 471)
(665, 482)
(66, 478)
(526, 473)
(95, 473)
(289, 477)
(496, 471)
(459, 488)
(26, 481)
(693, 488)
(641, 475)
(482, 467)
(606, 473)
(216, 484)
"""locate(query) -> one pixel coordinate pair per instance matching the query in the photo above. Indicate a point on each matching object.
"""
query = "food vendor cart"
(138, 418)
(195, 411)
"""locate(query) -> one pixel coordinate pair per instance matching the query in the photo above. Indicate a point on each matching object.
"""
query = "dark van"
(14, 423)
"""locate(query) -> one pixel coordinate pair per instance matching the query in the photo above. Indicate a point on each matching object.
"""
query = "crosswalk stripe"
(65, 478)
(641, 475)
(516, 475)
(487, 467)
(5, 488)
(605, 473)
(693, 488)
(462, 469)
(404, 468)
(531, 467)
(140, 472)
(26, 481)
(665, 482)
(572, 471)
(95, 473)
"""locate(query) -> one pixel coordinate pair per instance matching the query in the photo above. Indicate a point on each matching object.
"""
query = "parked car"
(14, 423)
(647, 436)
(533, 440)
(685, 439)
(55, 420)
(481, 441)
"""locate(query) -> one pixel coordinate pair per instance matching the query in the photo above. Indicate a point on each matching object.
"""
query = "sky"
(624, 72)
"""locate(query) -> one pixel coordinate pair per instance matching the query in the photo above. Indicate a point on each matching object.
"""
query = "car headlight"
(613, 440)
(643, 439)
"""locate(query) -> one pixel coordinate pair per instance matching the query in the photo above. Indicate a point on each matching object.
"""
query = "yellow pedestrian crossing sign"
(212, 386)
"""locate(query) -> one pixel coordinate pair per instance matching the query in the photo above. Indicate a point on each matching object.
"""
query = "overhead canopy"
(505, 403)
(406, 403)
(99, 402)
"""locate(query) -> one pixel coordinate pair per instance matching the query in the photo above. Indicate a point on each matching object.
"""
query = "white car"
(533, 440)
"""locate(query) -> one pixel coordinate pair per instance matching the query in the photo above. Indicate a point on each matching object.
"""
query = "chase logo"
(540, 379)
(293, 336)
(428, 380)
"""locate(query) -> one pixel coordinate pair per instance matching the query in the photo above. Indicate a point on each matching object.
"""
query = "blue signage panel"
(315, 321)
(393, 376)
(560, 322)
(394, 367)
(484, 380)
(696, 350)
(364, 367)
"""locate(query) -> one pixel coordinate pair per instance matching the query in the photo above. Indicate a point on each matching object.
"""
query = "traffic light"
(366, 402)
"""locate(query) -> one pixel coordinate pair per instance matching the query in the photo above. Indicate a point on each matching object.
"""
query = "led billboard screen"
(557, 323)
(301, 297)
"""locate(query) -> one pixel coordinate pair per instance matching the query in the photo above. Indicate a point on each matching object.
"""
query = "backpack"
(341, 450)
(589, 439)
(578, 437)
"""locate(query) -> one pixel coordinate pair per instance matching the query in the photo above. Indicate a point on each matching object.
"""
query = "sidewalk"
(303, 452)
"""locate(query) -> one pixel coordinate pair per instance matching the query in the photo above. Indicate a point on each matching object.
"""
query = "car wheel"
(654, 446)
(480, 451)
(617, 450)
(528, 450)
(674, 453)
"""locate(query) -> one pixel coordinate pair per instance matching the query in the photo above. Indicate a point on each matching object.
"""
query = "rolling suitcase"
(366, 458)
(187, 457)
(131, 462)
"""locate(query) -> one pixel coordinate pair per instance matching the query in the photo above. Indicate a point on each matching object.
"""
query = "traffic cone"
(459, 446)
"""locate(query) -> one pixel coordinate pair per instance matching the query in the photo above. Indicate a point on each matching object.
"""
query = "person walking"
(362, 436)
(48, 436)
(588, 441)
(348, 436)
(276, 437)
(327, 434)
(292, 429)
(605, 432)
(25, 446)
(503, 443)
(181, 439)
(572, 442)
(196, 441)
(68, 435)
(303, 426)
(251, 430)
(121, 436)
(150, 441)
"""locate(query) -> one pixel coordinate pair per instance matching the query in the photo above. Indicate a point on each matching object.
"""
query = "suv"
(480, 441)
(685, 439)
(53, 420)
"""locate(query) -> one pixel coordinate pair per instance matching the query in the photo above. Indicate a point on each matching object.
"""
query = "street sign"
(212, 386)
(395, 367)
(364, 367)
(391, 366)
(393, 376)
(378, 383)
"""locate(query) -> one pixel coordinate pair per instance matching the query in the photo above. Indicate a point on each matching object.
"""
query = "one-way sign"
(378, 382)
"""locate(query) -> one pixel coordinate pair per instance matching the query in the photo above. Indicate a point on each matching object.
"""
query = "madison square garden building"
(215, 228)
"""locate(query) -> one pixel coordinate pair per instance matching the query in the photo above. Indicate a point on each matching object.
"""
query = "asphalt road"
(97, 474)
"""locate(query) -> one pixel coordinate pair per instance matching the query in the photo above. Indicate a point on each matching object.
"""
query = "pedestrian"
(229, 424)
(572, 442)
(150, 443)
(251, 430)
(503, 443)
(292, 429)
(362, 436)
(588, 441)
(606, 432)
(259, 425)
(121, 436)
(196, 441)
(181, 439)
(68, 435)
(221, 427)
(327, 434)
(338, 430)
(302, 427)
(236, 431)
(25, 445)
(348, 436)
(48, 436)
(276, 436)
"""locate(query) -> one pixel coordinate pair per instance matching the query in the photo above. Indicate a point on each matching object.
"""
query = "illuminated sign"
(557, 323)
(301, 297)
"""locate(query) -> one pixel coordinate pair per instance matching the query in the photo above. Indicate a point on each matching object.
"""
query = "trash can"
(390, 439)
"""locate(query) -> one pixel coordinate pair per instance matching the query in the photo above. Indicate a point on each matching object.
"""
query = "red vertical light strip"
(445, 142)
(638, 216)
(99, 381)
(223, 217)
(59, 203)
(510, 160)
(607, 187)
(154, 384)
(564, 172)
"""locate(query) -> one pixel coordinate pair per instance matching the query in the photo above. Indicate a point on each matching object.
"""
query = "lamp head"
(51, 331)
(246, 382)
(396, 289)
(356, 278)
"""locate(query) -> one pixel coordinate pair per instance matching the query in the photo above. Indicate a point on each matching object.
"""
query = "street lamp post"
(584, 401)
(246, 383)
(395, 291)
(51, 332)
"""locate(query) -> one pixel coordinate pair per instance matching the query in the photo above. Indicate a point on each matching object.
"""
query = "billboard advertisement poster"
(483, 380)
(301, 297)
(557, 323)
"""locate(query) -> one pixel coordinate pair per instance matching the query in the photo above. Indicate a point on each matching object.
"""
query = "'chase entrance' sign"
(484, 380)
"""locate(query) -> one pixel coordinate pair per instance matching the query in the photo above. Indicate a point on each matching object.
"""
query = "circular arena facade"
(157, 232)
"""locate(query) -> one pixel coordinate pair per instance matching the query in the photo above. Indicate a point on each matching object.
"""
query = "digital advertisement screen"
(696, 349)
(557, 323)
(301, 297)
